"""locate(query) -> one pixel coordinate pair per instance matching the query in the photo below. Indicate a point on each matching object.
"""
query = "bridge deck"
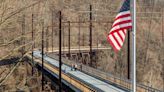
(103, 86)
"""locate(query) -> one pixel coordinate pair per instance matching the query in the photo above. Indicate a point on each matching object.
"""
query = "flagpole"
(134, 44)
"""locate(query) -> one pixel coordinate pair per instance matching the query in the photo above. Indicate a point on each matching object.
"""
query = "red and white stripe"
(118, 32)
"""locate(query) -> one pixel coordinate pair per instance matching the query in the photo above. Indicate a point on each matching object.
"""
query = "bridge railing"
(117, 81)
(68, 77)
(109, 78)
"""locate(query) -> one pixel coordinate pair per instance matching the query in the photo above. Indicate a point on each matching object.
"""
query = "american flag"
(120, 26)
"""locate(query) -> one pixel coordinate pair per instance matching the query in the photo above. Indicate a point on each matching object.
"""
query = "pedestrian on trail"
(75, 67)
(72, 66)
(64, 69)
(80, 66)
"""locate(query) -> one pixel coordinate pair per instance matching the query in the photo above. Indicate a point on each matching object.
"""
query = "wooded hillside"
(16, 15)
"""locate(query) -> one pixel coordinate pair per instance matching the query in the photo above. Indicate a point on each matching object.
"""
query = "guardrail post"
(128, 55)
(23, 35)
(42, 55)
(90, 39)
(52, 39)
(79, 36)
(60, 41)
(32, 28)
(69, 38)
(47, 38)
